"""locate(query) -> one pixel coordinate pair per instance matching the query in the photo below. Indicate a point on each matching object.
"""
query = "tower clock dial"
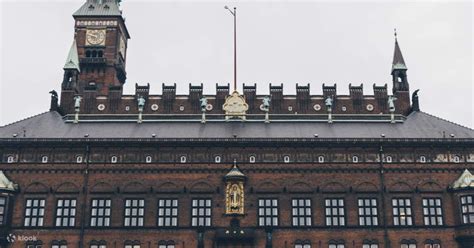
(95, 37)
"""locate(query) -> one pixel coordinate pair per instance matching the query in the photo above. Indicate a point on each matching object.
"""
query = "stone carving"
(328, 102)
(141, 103)
(203, 102)
(235, 106)
(77, 103)
(391, 103)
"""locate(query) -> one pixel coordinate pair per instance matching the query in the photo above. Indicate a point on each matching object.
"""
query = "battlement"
(170, 103)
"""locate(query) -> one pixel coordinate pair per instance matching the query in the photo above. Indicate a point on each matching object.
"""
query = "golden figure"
(235, 198)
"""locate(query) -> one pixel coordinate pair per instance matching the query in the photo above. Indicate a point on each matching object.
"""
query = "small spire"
(72, 61)
(398, 61)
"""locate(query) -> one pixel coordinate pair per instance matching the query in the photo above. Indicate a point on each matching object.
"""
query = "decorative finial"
(235, 163)
(395, 33)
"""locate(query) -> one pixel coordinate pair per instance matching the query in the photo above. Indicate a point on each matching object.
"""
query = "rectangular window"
(66, 212)
(56, 244)
(98, 246)
(201, 212)
(301, 212)
(132, 246)
(134, 212)
(402, 214)
(336, 246)
(435, 245)
(100, 212)
(167, 212)
(408, 246)
(467, 209)
(3, 210)
(268, 212)
(432, 212)
(34, 245)
(368, 211)
(335, 213)
(34, 212)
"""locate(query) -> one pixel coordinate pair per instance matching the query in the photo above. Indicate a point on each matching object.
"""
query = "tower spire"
(399, 69)
(72, 61)
(398, 61)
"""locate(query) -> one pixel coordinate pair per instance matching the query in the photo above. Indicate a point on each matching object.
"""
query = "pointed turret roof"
(99, 8)
(398, 61)
(466, 180)
(72, 61)
(6, 184)
(235, 172)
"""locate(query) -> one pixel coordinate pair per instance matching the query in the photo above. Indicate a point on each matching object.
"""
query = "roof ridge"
(447, 121)
(24, 119)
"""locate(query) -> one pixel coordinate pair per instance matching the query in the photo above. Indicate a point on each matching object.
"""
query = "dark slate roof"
(398, 61)
(52, 125)
(99, 8)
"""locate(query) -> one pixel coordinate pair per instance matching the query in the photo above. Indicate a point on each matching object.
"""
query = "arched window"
(456, 159)
(132, 244)
(432, 243)
(166, 244)
(321, 159)
(370, 244)
(113, 159)
(11, 159)
(79, 159)
(44, 159)
(217, 159)
(388, 159)
(355, 159)
(88, 54)
(252, 159)
(422, 159)
(100, 54)
(59, 244)
(286, 159)
(302, 244)
(148, 159)
(408, 243)
(34, 244)
(98, 244)
(94, 54)
(336, 244)
(182, 159)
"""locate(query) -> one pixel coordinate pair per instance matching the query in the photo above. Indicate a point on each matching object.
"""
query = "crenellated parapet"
(301, 104)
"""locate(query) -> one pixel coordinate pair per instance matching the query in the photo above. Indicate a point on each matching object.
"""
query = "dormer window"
(113, 159)
(252, 159)
(217, 159)
(355, 159)
(422, 159)
(10, 159)
(286, 159)
(182, 159)
(148, 159)
(321, 159)
(44, 159)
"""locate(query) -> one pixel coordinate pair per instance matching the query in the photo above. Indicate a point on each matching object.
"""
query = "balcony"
(93, 60)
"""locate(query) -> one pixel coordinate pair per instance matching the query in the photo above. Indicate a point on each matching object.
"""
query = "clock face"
(95, 37)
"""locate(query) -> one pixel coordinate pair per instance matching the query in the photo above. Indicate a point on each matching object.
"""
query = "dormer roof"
(466, 180)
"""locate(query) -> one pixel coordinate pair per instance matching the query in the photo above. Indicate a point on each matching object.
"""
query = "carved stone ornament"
(235, 106)
(466, 180)
(234, 197)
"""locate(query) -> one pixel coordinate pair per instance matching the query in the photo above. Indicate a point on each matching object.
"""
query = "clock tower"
(99, 51)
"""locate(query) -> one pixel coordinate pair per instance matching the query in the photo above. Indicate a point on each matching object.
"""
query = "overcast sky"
(278, 42)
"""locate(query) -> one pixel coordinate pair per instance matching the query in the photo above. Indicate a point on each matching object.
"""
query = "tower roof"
(72, 61)
(99, 8)
(235, 172)
(398, 61)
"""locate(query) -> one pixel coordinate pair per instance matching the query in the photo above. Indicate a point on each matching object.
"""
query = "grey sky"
(278, 42)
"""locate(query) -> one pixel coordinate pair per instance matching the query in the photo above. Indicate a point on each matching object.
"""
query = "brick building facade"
(105, 170)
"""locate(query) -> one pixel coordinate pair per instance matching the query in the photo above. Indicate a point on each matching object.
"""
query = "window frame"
(437, 216)
(468, 214)
(199, 216)
(338, 215)
(56, 216)
(5, 216)
(411, 216)
(271, 216)
(137, 216)
(305, 216)
(104, 216)
(164, 216)
(364, 208)
(32, 207)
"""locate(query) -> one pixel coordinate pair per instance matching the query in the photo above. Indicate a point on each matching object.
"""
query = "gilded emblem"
(235, 106)
(234, 198)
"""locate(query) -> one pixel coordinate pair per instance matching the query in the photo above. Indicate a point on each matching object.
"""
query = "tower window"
(217, 159)
(148, 159)
(44, 159)
(94, 54)
(286, 159)
(182, 159)
(252, 159)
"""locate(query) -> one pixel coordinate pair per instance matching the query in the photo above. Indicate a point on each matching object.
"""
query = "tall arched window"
(302, 244)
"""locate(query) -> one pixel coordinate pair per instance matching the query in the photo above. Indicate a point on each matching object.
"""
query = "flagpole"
(234, 13)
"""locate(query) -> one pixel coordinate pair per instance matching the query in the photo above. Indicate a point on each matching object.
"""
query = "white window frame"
(321, 159)
(79, 159)
(252, 159)
(217, 159)
(113, 159)
(44, 159)
(11, 159)
(182, 159)
(148, 159)
(422, 159)
(286, 159)
(355, 159)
